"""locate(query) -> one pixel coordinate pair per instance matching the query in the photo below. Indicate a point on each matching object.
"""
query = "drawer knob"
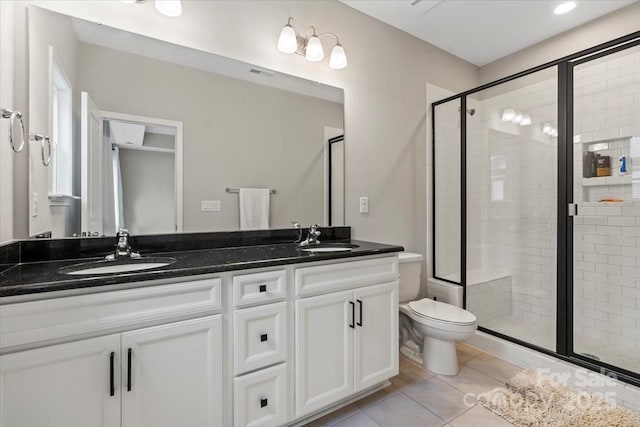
(263, 403)
(263, 288)
(263, 337)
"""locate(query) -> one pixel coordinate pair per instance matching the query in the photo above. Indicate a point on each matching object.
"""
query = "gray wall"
(236, 133)
(148, 187)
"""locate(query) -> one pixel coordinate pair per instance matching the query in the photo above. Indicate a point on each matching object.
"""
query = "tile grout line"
(427, 409)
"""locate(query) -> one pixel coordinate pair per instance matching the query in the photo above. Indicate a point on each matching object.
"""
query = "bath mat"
(533, 399)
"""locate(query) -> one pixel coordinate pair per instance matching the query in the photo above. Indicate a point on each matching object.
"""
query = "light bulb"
(565, 7)
(338, 59)
(171, 8)
(508, 114)
(526, 120)
(314, 52)
(517, 118)
(287, 42)
(546, 128)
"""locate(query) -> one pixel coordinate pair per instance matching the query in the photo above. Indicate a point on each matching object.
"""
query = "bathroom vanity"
(259, 334)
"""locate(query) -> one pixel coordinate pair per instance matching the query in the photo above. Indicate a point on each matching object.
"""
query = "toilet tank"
(410, 267)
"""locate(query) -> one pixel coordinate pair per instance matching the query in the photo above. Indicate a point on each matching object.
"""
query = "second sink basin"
(119, 266)
(329, 247)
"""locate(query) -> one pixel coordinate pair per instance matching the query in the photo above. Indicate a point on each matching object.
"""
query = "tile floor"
(417, 397)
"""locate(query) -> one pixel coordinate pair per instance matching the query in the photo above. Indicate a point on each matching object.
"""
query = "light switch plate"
(364, 205)
(210, 205)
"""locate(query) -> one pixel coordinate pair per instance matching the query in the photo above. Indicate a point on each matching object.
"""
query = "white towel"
(254, 208)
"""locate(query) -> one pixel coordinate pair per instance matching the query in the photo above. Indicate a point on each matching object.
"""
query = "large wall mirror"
(159, 138)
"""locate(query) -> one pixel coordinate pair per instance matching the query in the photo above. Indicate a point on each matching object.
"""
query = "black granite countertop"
(27, 278)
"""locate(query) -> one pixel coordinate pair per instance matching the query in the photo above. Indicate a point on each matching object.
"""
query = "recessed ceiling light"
(565, 7)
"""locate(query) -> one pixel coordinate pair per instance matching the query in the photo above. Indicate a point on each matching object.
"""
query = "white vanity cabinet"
(260, 348)
(61, 385)
(345, 341)
(164, 375)
(255, 348)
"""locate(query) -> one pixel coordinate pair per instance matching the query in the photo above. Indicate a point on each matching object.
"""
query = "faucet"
(123, 250)
(312, 238)
(296, 226)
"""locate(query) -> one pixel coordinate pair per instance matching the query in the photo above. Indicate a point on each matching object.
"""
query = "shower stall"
(536, 205)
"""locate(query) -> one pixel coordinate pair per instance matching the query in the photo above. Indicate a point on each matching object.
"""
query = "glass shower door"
(511, 215)
(606, 231)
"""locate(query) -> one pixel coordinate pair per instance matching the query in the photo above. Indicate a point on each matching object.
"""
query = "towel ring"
(38, 137)
(12, 115)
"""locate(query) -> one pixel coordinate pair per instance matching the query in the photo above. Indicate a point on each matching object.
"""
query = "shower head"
(470, 111)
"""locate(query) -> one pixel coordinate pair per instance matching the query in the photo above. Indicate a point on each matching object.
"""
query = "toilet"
(429, 329)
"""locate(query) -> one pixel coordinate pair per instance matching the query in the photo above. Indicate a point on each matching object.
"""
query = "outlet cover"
(34, 205)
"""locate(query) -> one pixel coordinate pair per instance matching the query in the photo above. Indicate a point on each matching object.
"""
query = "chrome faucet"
(312, 238)
(296, 225)
(123, 250)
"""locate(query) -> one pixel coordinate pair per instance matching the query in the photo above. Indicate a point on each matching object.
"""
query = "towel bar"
(237, 190)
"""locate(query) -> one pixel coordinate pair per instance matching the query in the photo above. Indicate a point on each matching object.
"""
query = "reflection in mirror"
(147, 135)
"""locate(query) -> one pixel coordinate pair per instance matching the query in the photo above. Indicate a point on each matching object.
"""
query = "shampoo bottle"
(622, 165)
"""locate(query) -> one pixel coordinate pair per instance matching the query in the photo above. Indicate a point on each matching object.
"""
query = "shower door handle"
(573, 209)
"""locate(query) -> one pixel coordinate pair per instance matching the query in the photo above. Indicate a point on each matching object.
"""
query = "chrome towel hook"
(38, 137)
(12, 116)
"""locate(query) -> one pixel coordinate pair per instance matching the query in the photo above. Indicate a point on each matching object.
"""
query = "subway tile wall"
(512, 205)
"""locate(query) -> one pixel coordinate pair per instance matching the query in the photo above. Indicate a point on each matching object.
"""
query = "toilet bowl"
(429, 329)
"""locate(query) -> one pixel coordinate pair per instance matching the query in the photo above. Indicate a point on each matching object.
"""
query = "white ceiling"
(481, 31)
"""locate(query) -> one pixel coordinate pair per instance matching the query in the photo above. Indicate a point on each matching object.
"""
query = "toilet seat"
(441, 312)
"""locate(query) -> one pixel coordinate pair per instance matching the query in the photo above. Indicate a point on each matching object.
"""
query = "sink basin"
(119, 266)
(329, 247)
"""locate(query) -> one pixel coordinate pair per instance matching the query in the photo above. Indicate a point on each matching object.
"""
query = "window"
(61, 110)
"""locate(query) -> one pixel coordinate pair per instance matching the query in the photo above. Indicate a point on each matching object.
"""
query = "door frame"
(179, 155)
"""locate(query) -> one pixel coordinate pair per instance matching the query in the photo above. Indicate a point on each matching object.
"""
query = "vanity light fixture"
(508, 114)
(310, 46)
(172, 8)
(526, 120)
(517, 118)
(565, 7)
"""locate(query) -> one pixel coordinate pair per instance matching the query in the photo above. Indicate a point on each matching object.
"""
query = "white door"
(324, 350)
(92, 167)
(66, 385)
(172, 375)
(376, 337)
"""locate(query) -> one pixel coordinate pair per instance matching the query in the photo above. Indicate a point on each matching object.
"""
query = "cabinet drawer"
(260, 398)
(44, 322)
(260, 337)
(344, 275)
(259, 287)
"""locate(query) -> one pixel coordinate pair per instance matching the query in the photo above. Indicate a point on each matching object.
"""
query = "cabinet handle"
(263, 403)
(263, 288)
(353, 315)
(263, 337)
(112, 385)
(360, 307)
(129, 352)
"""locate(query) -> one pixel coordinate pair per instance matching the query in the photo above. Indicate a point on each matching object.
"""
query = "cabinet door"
(324, 351)
(62, 385)
(171, 375)
(376, 337)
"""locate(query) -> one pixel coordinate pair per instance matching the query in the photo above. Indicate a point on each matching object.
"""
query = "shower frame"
(564, 265)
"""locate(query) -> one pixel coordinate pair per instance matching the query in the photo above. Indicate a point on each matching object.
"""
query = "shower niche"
(604, 170)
